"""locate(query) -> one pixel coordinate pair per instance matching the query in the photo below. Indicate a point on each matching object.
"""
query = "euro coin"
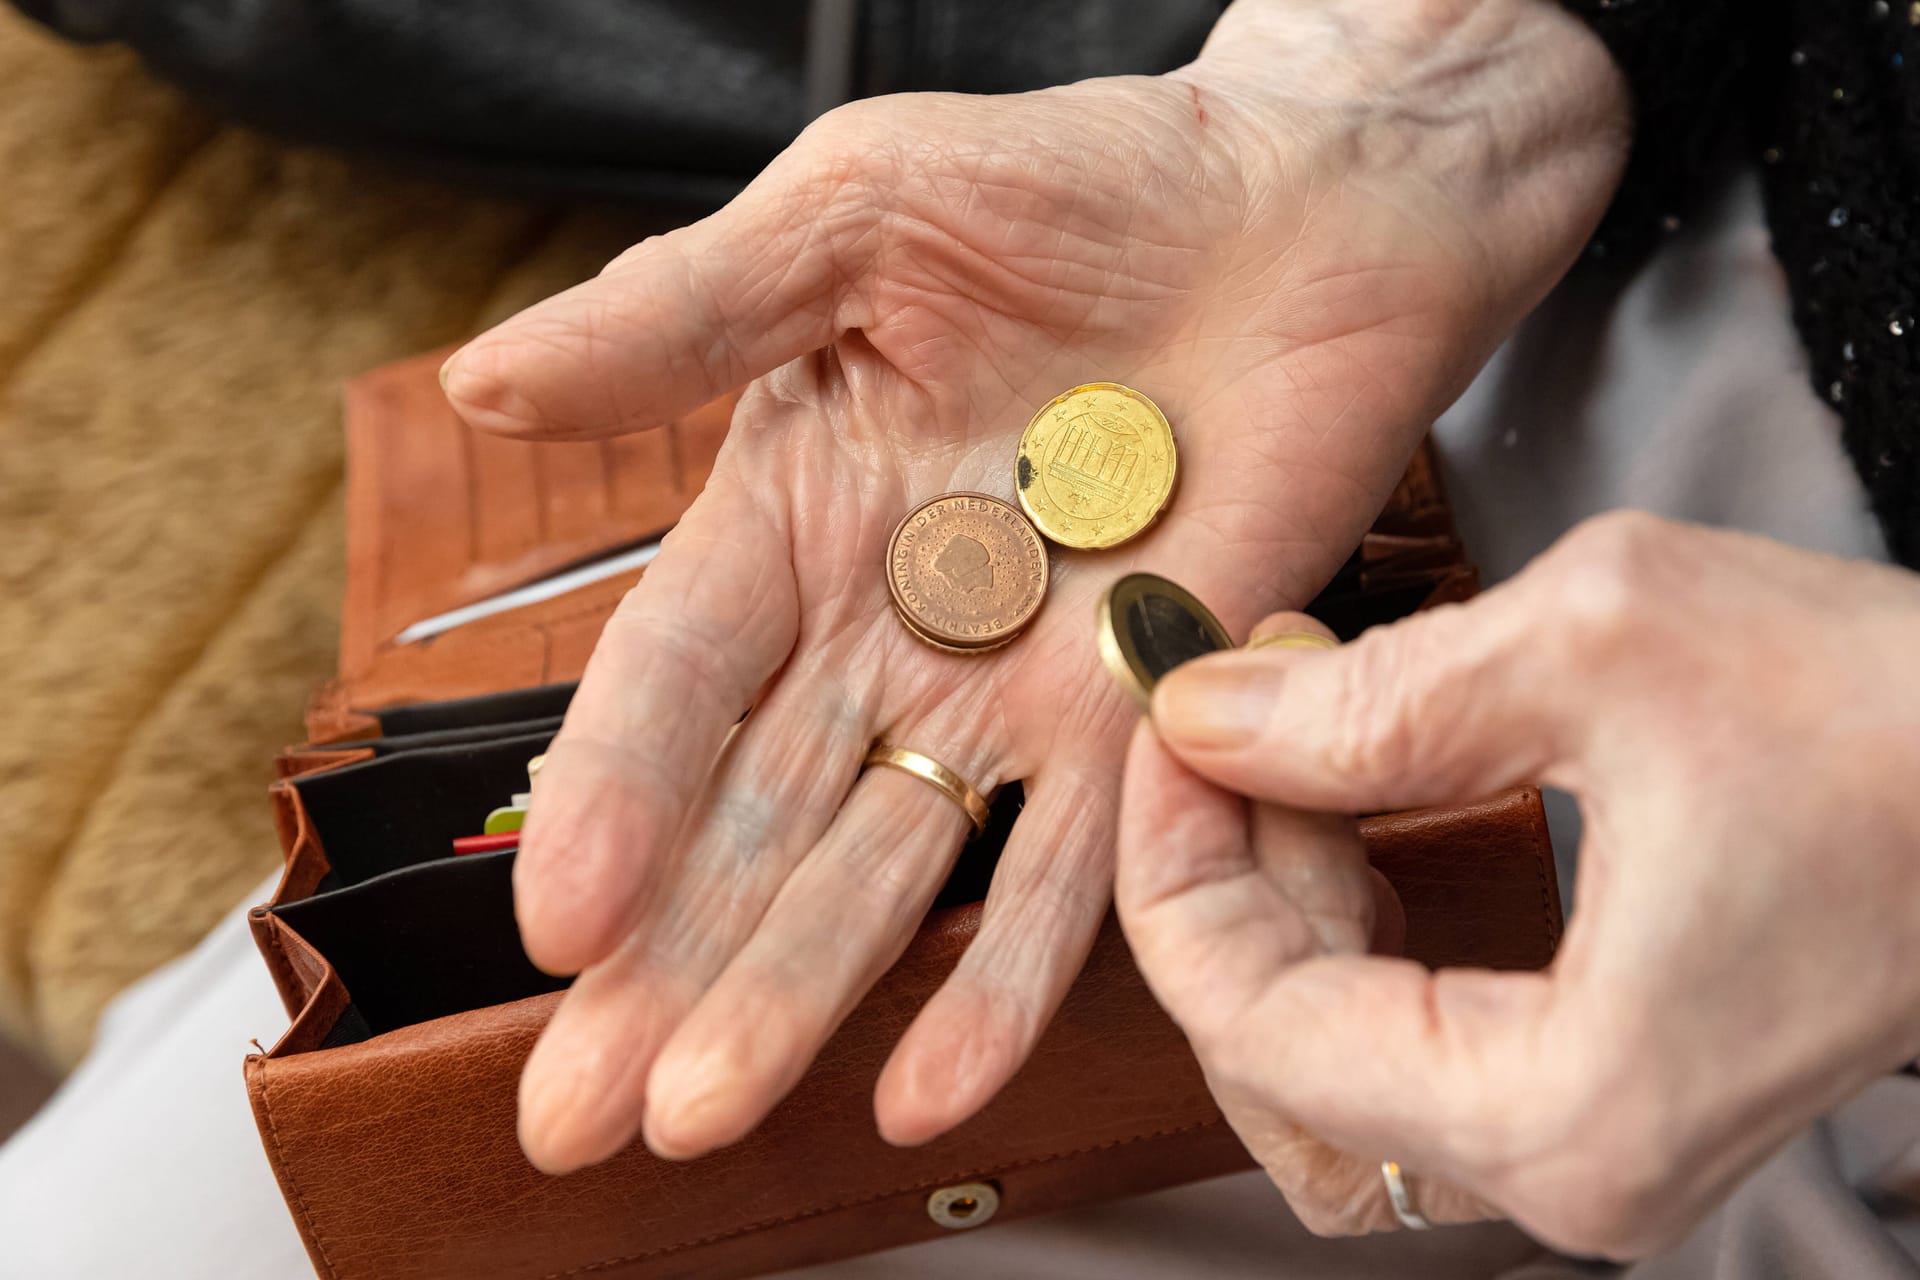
(966, 571)
(1096, 466)
(1148, 626)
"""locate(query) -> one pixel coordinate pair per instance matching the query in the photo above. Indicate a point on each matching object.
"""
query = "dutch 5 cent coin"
(966, 571)
(1096, 466)
(1148, 626)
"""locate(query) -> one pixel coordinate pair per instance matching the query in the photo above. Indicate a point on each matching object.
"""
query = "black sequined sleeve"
(1687, 63)
(1829, 94)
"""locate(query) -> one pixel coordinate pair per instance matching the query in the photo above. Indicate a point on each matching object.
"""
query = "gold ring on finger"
(934, 774)
(1400, 1197)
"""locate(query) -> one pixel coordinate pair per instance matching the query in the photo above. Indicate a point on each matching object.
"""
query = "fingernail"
(682, 1130)
(687, 1103)
(446, 367)
(1217, 702)
(547, 1133)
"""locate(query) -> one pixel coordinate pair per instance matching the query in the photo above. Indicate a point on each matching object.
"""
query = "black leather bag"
(633, 99)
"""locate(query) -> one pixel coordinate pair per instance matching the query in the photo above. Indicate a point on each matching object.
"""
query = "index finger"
(684, 317)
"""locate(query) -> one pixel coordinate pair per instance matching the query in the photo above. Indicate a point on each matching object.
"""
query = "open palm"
(903, 288)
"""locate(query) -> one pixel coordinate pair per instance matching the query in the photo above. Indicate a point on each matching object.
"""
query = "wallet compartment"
(422, 942)
(1111, 1103)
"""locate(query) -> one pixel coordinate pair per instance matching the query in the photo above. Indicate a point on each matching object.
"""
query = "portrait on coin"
(966, 563)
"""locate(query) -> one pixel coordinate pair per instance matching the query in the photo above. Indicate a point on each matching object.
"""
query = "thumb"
(1440, 707)
(685, 317)
(1379, 1057)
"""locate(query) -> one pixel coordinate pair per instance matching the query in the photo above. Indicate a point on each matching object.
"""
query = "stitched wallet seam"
(1549, 908)
(309, 1227)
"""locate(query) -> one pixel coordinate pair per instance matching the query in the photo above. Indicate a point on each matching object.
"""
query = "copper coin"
(906, 620)
(967, 571)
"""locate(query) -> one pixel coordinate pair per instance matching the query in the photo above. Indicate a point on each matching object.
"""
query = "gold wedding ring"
(934, 774)
(1401, 1197)
(1294, 640)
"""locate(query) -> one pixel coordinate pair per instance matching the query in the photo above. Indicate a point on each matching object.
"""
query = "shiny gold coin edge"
(1114, 650)
(1293, 640)
(1153, 517)
(906, 615)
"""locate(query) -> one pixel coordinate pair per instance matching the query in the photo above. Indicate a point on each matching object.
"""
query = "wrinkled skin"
(1741, 725)
(1301, 247)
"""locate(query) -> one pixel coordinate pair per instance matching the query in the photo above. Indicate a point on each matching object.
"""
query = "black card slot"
(539, 703)
(1348, 615)
(424, 941)
(394, 811)
(439, 937)
(1346, 579)
(394, 744)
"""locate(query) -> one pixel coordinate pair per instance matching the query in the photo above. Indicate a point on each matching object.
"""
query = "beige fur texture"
(180, 301)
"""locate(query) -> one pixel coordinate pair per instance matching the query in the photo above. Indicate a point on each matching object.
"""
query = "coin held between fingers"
(1147, 626)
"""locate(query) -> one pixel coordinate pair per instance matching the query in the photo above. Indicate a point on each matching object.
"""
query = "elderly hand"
(1741, 724)
(1301, 247)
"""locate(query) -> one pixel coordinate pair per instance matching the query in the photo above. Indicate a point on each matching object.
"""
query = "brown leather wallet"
(387, 1109)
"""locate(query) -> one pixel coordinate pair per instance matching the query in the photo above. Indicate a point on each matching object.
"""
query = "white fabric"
(146, 1163)
(1684, 394)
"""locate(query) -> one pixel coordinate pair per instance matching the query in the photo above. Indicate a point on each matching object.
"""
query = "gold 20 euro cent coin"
(1096, 466)
(1148, 626)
